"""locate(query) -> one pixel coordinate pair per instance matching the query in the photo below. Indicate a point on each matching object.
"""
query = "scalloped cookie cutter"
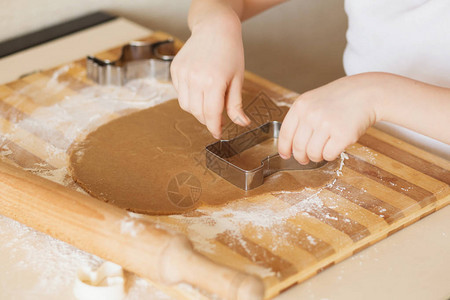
(137, 60)
(107, 282)
(218, 152)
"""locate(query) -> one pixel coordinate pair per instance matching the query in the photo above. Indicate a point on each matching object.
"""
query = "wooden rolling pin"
(95, 226)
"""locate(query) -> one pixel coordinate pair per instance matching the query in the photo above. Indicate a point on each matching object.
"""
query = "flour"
(265, 215)
(50, 263)
(77, 114)
(283, 103)
(57, 175)
(344, 156)
(369, 155)
(312, 240)
(259, 270)
(191, 290)
(287, 99)
(55, 265)
(131, 227)
(61, 124)
(141, 289)
(34, 252)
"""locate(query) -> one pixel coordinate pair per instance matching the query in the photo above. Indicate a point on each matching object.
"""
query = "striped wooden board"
(384, 185)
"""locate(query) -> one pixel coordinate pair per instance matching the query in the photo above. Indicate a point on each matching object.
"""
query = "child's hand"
(208, 73)
(323, 122)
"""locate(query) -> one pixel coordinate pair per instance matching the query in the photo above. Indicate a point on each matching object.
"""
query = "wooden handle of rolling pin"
(95, 226)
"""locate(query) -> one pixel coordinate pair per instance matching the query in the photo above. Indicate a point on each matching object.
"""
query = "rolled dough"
(153, 161)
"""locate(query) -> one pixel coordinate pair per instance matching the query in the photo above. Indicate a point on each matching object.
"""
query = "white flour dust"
(369, 155)
(264, 215)
(34, 252)
(70, 119)
(131, 227)
(47, 266)
(59, 175)
(344, 156)
(287, 99)
(50, 264)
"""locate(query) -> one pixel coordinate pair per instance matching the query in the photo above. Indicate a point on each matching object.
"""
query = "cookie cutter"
(137, 60)
(218, 152)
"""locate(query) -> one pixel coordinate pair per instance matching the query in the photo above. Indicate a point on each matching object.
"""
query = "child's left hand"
(323, 122)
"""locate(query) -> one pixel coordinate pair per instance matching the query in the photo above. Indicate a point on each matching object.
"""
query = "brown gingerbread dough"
(153, 161)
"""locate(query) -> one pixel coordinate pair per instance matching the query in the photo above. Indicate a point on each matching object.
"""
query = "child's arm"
(209, 70)
(244, 9)
(323, 122)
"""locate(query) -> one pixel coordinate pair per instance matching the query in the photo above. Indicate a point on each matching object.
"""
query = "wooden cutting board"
(383, 186)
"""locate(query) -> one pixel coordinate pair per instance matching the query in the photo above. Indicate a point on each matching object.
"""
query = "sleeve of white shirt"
(409, 38)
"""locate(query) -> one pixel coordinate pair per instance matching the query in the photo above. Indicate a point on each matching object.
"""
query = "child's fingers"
(286, 135)
(196, 103)
(301, 140)
(333, 148)
(316, 144)
(213, 104)
(183, 94)
(234, 103)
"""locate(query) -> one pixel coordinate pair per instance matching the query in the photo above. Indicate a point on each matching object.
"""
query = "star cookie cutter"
(137, 60)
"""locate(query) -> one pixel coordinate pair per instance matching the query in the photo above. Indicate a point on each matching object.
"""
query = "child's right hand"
(324, 121)
(208, 73)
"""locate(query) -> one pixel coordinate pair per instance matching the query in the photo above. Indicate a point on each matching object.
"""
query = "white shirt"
(405, 37)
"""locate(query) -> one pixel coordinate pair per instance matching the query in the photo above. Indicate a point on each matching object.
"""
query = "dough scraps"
(107, 282)
(153, 161)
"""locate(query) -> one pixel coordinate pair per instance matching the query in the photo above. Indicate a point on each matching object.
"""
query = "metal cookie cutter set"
(137, 60)
(218, 152)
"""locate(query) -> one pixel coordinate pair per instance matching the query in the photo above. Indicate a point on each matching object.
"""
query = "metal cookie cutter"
(218, 152)
(138, 59)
